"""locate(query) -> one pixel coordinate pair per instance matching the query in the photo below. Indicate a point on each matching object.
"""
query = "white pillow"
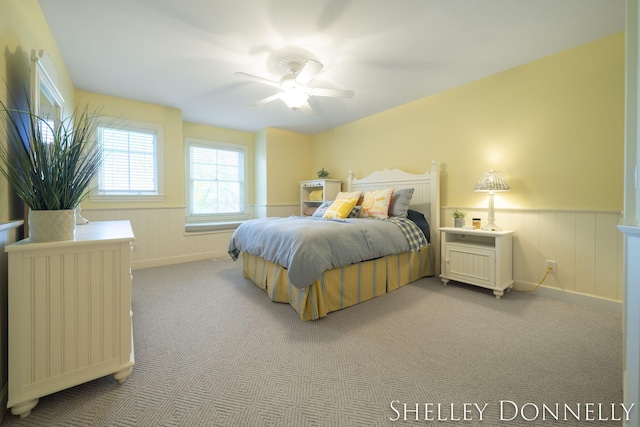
(375, 204)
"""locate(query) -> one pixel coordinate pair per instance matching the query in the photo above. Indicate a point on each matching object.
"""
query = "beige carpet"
(212, 350)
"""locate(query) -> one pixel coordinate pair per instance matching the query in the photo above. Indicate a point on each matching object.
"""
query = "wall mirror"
(46, 100)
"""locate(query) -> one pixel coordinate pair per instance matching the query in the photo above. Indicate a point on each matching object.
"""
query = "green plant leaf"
(50, 167)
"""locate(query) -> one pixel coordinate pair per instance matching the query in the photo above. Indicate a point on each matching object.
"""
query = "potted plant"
(322, 174)
(458, 218)
(50, 166)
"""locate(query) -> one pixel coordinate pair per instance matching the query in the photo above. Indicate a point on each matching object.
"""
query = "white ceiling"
(184, 53)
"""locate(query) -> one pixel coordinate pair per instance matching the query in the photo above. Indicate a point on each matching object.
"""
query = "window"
(46, 130)
(216, 177)
(131, 162)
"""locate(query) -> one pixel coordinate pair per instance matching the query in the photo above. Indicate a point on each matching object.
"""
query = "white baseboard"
(159, 262)
(577, 298)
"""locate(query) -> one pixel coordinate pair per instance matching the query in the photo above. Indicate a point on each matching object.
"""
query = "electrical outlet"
(134, 246)
(551, 266)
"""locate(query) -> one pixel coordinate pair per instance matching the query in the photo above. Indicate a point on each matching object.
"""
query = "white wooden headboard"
(426, 194)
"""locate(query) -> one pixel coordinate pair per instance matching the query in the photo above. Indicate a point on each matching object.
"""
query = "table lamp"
(492, 182)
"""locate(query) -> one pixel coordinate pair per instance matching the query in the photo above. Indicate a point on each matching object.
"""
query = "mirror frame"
(43, 75)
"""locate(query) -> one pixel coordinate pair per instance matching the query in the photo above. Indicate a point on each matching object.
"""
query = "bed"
(335, 278)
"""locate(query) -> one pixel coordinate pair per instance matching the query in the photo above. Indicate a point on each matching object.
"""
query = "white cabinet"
(478, 257)
(69, 312)
(314, 192)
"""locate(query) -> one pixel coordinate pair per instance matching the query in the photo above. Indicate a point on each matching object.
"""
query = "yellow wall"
(175, 130)
(23, 28)
(288, 156)
(554, 127)
(171, 121)
(260, 183)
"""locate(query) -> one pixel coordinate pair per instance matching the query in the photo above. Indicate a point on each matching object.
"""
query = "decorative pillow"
(349, 195)
(375, 204)
(319, 212)
(400, 202)
(340, 208)
(355, 212)
(315, 195)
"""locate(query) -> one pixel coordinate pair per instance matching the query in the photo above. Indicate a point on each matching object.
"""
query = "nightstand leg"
(498, 294)
(445, 281)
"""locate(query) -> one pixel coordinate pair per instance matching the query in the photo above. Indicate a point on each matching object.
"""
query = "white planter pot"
(52, 226)
(458, 222)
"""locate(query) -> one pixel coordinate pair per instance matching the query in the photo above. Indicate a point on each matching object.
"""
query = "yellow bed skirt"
(341, 287)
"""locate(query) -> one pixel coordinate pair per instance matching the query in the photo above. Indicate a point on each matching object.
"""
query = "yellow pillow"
(349, 195)
(315, 195)
(340, 208)
(375, 204)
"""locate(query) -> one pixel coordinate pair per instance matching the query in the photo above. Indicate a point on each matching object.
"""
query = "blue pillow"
(400, 202)
(319, 213)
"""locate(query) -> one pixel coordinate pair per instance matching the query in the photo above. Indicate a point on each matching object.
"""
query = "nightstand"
(477, 257)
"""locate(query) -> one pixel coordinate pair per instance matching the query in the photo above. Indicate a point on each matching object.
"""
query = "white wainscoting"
(161, 238)
(586, 245)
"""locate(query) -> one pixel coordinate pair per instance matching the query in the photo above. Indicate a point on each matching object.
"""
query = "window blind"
(46, 131)
(129, 162)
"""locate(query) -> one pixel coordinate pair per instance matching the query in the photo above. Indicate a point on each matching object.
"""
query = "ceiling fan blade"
(258, 79)
(305, 108)
(336, 93)
(309, 69)
(267, 100)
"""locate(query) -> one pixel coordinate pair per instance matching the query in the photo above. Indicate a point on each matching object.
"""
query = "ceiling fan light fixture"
(295, 85)
(294, 98)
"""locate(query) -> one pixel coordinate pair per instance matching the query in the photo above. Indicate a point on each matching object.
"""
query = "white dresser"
(69, 312)
(478, 257)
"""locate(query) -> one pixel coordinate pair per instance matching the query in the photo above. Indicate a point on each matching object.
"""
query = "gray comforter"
(308, 246)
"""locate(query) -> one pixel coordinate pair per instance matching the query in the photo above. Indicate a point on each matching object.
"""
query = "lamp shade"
(492, 181)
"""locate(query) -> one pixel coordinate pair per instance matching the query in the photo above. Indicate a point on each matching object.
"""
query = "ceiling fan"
(294, 86)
